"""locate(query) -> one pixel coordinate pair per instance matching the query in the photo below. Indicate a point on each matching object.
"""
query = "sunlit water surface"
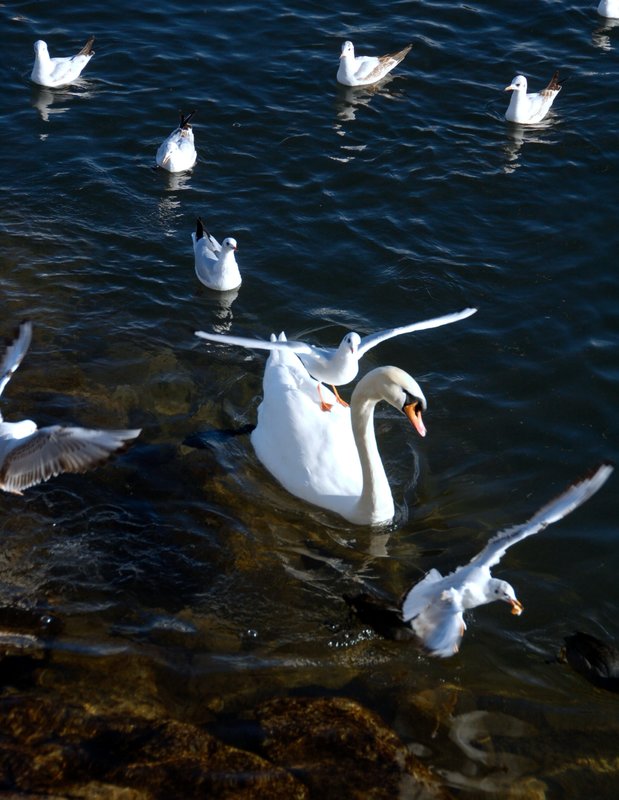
(186, 580)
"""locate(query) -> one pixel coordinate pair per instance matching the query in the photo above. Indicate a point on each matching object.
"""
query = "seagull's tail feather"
(199, 229)
(555, 84)
(87, 48)
(185, 120)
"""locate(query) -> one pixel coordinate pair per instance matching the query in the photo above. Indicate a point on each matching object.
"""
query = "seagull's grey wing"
(50, 451)
(416, 599)
(14, 353)
(569, 500)
(368, 342)
(256, 344)
(440, 626)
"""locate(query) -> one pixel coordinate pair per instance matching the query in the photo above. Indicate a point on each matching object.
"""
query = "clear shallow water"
(352, 211)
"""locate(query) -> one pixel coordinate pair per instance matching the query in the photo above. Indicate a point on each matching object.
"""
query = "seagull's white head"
(350, 343)
(519, 84)
(502, 590)
(40, 47)
(348, 49)
(229, 243)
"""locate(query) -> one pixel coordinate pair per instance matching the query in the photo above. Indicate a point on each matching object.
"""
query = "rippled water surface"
(187, 582)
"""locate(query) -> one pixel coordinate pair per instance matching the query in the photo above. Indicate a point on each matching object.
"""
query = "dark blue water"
(189, 574)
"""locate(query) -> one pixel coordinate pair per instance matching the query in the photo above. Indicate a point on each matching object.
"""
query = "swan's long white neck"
(376, 502)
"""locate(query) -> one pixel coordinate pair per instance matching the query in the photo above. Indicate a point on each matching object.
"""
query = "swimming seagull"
(336, 366)
(364, 70)
(529, 109)
(54, 72)
(178, 153)
(434, 607)
(30, 455)
(215, 263)
(609, 8)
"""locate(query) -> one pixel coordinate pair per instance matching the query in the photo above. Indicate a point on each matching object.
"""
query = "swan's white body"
(215, 263)
(178, 152)
(330, 460)
(365, 70)
(609, 8)
(54, 72)
(434, 607)
(337, 366)
(530, 108)
(30, 455)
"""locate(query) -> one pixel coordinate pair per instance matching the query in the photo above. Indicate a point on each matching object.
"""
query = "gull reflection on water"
(222, 310)
(169, 206)
(517, 136)
(43, 98)
(348, 101)
(351, 98)
(600, 37)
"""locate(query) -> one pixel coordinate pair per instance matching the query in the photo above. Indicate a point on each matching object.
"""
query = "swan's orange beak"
(413, 412)
(517, 607)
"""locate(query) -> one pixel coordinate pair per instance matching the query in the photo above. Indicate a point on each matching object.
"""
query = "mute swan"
(178, 153)
(341, 365)
(215, 263)
(331, 460)
(54, 72)
(29, 455)
(529, 109)
(434, 607)
(363, 70)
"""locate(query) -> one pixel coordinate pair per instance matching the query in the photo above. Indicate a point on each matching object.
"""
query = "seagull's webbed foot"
(323, 404)
(338, 398)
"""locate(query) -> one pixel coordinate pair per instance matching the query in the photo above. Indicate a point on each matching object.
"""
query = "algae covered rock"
(342, 750)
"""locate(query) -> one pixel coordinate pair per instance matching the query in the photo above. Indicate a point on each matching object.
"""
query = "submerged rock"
(52, 750)
(342, 750)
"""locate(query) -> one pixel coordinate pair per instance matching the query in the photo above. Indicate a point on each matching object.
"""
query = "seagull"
(609, 9)
(215, 263)
(529, 109)
(30, 455)
(54, 72)
(434, 607)
(178, 153)
(364, 70)
(336, 366)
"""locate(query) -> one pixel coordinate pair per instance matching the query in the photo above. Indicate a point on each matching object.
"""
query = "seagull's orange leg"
(338, 398)
(323, 405)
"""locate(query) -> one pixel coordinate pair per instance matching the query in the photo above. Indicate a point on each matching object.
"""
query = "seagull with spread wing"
(434, 607)
(30, 455)
(336, 366)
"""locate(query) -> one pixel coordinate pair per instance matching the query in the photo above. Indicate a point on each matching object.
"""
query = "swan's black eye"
(496, 591)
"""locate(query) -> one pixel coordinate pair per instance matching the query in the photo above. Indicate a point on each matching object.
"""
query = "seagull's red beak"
(517, 607)
(413, 412)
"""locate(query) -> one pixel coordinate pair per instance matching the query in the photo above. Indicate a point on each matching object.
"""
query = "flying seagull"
(336, 366)
(434, 607)
(30, 455)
